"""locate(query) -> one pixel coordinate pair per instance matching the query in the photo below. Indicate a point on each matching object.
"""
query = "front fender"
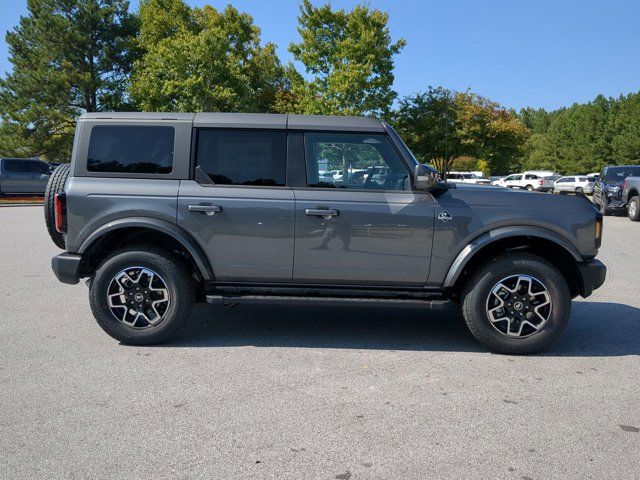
(161, 226)
(486, 238)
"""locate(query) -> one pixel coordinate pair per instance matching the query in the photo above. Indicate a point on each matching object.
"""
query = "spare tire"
(57, 182)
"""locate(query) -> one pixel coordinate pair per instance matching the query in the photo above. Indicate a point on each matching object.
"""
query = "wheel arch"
(143, 230)
(544, 243)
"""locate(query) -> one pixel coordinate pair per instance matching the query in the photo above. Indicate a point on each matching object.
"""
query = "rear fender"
(167, 228)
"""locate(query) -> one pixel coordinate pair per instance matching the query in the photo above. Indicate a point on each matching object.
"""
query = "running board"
(226, 299)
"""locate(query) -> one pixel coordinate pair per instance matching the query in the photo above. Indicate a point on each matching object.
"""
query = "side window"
(130, 149)
(530, 176)
(365, 162)
(14, 166)
(242, 157)
(37, 167)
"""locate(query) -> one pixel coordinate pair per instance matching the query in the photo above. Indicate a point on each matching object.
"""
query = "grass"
(21, 199)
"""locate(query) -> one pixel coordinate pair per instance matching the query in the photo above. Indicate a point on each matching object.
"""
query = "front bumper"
(592, 275)
(66, 267)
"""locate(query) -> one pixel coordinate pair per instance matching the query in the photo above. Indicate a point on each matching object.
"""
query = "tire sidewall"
(636, 203)
(179, 296)
(560, 311)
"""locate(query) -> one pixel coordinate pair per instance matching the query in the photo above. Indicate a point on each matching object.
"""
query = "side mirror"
(425, 177)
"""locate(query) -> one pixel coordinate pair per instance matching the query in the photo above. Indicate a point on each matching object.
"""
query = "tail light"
(60, 212)
(624, 185)
(540, 182)
(598, 231)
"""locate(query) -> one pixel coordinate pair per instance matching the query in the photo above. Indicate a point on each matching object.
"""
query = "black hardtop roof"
(251, 120)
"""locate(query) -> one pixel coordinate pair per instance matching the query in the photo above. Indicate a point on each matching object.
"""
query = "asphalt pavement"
(311, 393)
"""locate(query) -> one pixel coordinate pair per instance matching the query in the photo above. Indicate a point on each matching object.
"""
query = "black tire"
(171, 269)
(579, 190)
(633, 210)
(604, 202)
(477, 293)
(56, 184)
(529, 188)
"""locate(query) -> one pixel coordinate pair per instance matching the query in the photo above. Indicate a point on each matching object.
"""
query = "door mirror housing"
(425, 177)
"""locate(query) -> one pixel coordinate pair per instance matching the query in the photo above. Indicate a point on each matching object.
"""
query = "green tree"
(489, 132)
(203, 59)
(349, 59)
(68, 57)
(426, 121)
(441, 126)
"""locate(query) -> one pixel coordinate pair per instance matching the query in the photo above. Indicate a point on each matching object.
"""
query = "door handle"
(206, 209)
(321, 212)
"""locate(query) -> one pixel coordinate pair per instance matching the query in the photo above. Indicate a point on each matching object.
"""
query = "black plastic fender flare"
(487, 238)
(162, 226)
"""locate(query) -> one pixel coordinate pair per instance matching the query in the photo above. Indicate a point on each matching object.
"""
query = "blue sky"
(539, 53)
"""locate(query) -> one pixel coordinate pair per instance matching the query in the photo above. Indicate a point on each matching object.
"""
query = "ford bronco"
(161, 210)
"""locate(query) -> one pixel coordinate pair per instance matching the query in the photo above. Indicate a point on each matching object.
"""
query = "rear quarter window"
(131, 149)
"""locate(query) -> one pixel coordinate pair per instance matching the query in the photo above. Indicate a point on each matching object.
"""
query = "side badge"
(445, 216)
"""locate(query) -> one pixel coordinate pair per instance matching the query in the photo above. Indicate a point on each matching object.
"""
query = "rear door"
(237, 205)
(14, 176)
(365, 231)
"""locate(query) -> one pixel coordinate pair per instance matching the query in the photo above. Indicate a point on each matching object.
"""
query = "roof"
(333, 123)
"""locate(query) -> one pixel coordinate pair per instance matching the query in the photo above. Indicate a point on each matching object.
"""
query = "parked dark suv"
(161, 210)
(607, 192)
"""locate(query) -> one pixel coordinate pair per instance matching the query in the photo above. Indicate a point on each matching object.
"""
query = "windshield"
(618, 174)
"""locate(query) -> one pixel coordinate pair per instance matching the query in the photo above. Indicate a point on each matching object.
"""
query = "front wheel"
(633, 211)
(517, 303)
(142, 295)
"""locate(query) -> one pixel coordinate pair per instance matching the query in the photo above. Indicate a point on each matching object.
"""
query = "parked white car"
(539, 181)
(467, 177)
(574, 183)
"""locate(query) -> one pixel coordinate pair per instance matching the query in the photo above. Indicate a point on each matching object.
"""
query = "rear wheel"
(579, 190)
(529, 188)
(56, 184)
(633, 211)
(517, 303)
(142, 295)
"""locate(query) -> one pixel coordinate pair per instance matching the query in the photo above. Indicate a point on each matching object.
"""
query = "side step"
(226, 299)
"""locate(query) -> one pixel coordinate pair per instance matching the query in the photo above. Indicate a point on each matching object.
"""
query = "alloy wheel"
(138, 297)
(519, 306)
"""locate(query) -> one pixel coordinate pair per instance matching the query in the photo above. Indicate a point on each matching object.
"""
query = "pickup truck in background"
(631, 196)
(531, 181)
(24, 176)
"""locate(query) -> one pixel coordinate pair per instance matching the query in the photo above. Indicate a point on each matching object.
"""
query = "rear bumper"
(66, 267)
(592, 276)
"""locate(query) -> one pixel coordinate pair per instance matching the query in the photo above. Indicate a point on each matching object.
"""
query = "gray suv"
(161, 210)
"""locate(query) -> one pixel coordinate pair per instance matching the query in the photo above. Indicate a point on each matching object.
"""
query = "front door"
(238, 208)
(368, 227)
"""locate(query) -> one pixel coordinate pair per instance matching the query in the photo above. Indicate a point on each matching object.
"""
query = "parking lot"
(327, 393)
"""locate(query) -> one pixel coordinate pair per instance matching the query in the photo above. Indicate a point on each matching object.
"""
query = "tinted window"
(618, 174)
(530, 176)
(366, 162)
(130, 149)
(14, 166)
(37, 167)
(583, 179)
(242, 157)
